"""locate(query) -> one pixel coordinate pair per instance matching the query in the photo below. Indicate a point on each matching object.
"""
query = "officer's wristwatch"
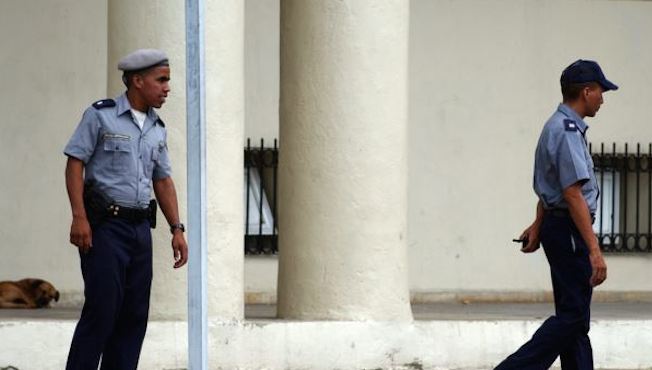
(177, 226)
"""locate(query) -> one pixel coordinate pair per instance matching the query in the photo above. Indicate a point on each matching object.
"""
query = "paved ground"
(431, 311)
(496, 311)
(524, 311)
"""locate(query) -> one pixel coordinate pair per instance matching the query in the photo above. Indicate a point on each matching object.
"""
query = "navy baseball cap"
(582, 71)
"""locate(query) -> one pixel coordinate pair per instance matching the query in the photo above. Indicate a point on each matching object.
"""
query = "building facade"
(406, 132)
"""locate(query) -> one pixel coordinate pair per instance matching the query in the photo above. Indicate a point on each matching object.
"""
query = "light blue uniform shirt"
(562, 158)
(120, 157)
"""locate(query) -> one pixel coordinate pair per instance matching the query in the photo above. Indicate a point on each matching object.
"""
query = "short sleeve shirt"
(562, 159)
(118, 155)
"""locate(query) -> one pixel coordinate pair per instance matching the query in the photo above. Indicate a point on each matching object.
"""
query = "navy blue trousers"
(564, 335)
(117, 274)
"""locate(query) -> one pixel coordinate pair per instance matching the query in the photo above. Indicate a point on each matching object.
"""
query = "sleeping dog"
(27, 293)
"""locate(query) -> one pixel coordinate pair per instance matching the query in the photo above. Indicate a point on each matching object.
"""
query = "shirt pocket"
(118, 150)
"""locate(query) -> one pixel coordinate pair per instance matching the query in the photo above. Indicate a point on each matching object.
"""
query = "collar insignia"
(570, 125)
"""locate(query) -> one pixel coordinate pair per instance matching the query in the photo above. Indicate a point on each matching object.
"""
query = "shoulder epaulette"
(570, 125)
(160, 122)
(105, 103)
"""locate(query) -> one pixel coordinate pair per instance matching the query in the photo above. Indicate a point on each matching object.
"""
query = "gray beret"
(141, 59)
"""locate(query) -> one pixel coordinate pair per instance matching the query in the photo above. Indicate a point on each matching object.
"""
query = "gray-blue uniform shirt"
(121, 158)
(562, 158)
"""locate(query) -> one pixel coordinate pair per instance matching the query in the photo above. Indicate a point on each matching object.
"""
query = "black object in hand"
(523, 242)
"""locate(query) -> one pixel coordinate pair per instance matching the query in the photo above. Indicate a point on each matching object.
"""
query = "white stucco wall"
(262, 22)
(262, 68)
(53, 64)
(484, 78)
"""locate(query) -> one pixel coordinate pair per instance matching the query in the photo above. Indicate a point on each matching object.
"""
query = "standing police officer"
(117, 154)
(568, 198)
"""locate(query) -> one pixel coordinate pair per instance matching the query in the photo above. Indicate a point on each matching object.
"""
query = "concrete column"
(225, 151)
(149, 24)
(343, 165)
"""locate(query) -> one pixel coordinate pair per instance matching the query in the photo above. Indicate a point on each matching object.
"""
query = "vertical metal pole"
(196, 133)
(637, 164)
(614, 164)
(649, 195)
(602, 161)
(625, 195)
(248, 168)
(248, 156)
(275, 197)
(261, 189)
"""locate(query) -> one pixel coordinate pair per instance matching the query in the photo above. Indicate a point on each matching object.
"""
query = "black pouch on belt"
(152, 213)
(96, 203)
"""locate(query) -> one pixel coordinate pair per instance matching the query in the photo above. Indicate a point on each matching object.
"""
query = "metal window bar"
(261, 224)
(623, 210)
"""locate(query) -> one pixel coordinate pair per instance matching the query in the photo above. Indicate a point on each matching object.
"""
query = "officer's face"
(593, 99)
(154, 86)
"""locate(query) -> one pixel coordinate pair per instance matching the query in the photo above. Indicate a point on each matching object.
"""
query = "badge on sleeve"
(105, 103)
(570, 125)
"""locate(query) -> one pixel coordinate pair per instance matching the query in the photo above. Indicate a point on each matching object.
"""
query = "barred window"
(623, 222)
(261, 231)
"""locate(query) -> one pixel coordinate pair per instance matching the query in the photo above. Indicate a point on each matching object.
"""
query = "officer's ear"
(137, 80)
(592, 88)
(584, 94)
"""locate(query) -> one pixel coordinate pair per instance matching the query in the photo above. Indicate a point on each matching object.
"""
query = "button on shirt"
(121, 158)
(562, 158)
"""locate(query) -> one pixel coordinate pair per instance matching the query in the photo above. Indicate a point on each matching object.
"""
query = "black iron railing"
(261, 231)
(624, 218)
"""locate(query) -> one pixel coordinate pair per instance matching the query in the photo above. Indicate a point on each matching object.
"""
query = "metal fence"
(624, 219)
(261, 167)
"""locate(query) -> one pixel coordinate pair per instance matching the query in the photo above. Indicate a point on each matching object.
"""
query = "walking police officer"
(568, 198)
(117, 154)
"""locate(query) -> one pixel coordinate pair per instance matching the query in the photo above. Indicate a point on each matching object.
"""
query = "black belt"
(558, 212)
(127, 213)
(564, 212)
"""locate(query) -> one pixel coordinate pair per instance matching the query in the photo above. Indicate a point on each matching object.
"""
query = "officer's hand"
(180, 249)
(599, 268)
(532, 235)
(80, 233)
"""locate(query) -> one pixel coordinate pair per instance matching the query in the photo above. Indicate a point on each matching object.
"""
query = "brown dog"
(27, 293)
